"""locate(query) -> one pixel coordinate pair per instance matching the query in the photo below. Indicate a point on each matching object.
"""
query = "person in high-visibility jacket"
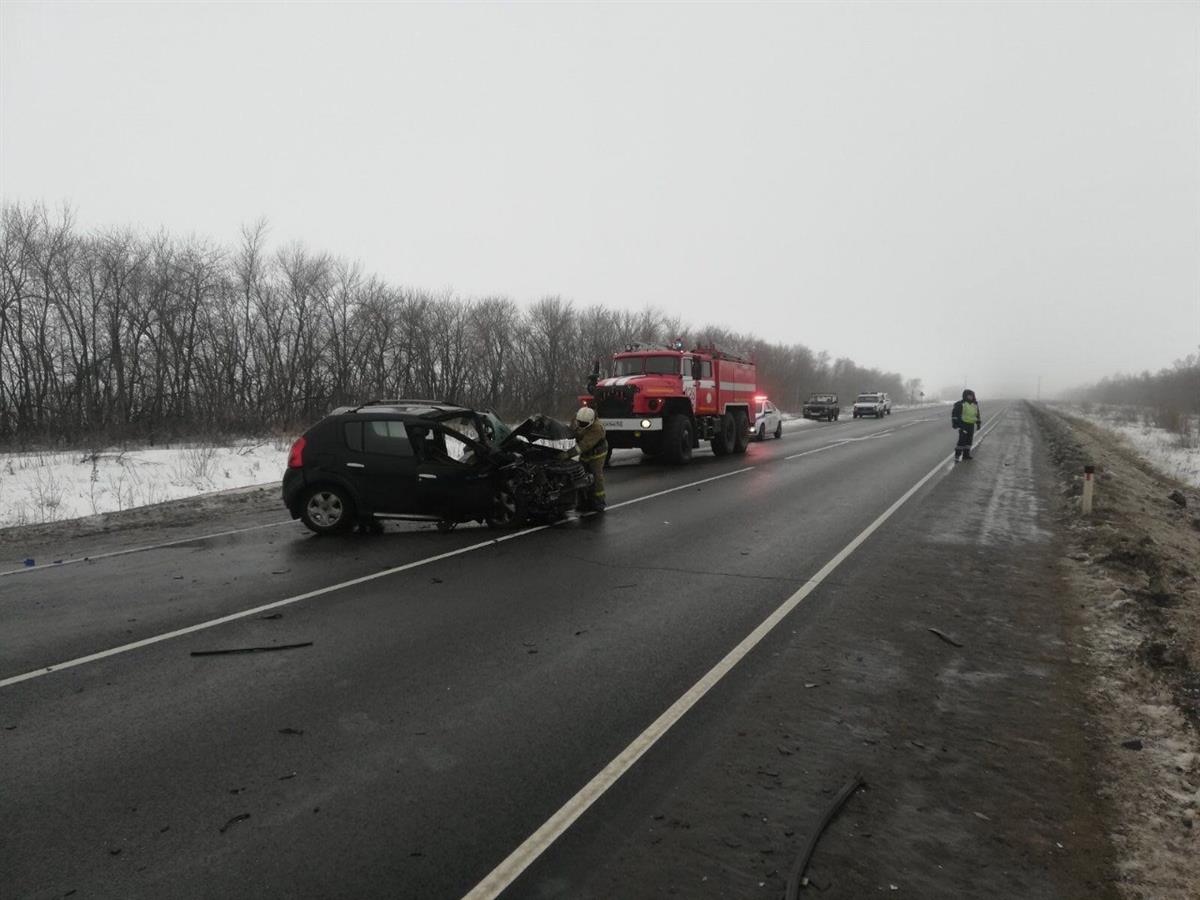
(592, 446)
(965, 416)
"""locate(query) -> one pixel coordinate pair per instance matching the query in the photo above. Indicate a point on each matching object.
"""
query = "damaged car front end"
(429, 461)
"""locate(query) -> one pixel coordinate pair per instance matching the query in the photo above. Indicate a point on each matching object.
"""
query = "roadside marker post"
(1088, 483)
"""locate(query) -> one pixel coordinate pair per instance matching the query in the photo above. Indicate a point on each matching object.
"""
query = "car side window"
(706, 369)
(386, 437)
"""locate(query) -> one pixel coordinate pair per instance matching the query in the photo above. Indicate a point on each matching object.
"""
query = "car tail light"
(296, 454)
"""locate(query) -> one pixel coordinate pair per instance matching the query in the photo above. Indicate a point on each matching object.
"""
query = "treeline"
(1174, 390)
(115, 335)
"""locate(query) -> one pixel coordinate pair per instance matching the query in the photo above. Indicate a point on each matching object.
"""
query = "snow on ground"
(50, 486)
(1173, 453)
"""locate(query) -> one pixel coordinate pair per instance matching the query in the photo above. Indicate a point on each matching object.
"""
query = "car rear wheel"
(327, 509)
(779, 430)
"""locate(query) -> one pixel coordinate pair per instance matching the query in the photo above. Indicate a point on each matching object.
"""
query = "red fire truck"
(665, 400)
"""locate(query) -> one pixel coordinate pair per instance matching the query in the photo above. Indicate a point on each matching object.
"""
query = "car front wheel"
(327, 509)
(508, 508)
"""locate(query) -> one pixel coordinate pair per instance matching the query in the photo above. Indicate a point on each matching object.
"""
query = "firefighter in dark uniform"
(592, 447)
(965, 416)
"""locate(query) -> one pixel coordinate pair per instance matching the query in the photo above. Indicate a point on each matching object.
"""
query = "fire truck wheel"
(726, 436)
(677, 439)
(741, 424)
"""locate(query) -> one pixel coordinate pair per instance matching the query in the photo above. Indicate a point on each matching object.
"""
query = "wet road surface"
(455, 691)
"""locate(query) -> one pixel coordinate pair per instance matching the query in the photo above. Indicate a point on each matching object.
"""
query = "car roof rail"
(406, 401)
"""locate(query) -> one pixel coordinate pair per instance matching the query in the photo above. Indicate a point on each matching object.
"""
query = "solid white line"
(499, 879)
(246, 613)
(188, 540)
(680, 487)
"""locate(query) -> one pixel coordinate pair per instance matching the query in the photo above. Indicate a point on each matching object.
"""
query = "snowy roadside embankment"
(1173, 453)
(51, 486)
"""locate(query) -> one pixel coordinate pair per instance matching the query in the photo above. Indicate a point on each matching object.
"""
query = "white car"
(767, 419)
(872, 403)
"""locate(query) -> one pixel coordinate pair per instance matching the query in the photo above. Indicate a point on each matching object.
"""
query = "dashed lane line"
(500, 878)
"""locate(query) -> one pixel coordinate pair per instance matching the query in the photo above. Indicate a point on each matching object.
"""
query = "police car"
(767, 419)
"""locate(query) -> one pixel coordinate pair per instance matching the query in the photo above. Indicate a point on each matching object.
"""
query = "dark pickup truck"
(822, 406)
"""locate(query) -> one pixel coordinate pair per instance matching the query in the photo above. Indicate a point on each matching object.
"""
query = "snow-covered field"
(51, 486)
(1170, 452)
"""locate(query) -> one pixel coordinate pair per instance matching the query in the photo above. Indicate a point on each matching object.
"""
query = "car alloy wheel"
(327, 510)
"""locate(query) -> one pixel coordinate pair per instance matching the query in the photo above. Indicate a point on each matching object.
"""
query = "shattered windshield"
(494, 429)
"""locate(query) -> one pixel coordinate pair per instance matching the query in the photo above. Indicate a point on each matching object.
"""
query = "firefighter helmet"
(585, 416)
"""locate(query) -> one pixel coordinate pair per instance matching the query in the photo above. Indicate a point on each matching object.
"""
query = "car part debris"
(242, 817)
(250, 649)
(945, 637)
(797, 873)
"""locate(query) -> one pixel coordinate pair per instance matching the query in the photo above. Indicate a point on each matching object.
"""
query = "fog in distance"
(988, 192)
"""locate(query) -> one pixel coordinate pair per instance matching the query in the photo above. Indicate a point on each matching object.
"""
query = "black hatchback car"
(431, 461)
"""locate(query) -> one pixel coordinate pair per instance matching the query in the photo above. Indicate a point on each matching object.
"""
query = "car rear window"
(384, 436)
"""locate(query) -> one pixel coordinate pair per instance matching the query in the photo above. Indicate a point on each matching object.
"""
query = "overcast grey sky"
(996, 191)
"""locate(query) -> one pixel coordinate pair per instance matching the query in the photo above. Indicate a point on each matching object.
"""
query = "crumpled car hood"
(538, 428)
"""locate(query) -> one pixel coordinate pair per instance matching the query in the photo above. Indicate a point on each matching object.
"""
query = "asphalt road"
(459, 689)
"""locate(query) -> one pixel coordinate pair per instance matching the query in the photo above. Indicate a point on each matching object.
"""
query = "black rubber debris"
(945, 637)
(250, 649)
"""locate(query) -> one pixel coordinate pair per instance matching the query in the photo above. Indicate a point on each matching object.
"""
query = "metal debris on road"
(250, 649)
(945, 637)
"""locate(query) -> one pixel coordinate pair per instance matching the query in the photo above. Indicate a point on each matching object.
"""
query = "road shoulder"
(977, 760)
(1131, 567)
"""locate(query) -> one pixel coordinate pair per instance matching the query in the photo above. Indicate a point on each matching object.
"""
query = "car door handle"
(355, 466)
(427, 475)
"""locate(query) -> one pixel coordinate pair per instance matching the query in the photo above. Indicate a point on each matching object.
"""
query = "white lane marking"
(817, 450)
(499, 879)
(233, 617)
(680, 487)
(308, 595)
(112, 553)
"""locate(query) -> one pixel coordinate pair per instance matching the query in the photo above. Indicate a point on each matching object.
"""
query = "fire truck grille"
(614, 402)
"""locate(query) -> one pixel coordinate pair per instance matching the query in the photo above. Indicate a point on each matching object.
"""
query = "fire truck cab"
(665, 400)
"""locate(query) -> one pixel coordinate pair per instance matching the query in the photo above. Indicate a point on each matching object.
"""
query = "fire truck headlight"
(645, 423)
